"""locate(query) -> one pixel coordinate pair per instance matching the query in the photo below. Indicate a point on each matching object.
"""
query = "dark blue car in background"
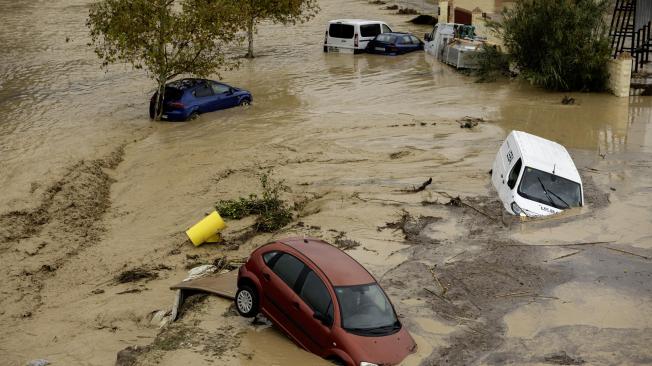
(188, 98)
(394, 43)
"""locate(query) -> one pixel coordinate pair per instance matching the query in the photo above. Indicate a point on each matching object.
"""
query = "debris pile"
(470, 122)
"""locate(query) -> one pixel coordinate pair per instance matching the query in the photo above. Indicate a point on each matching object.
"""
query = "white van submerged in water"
(352, 35)
(535, 176)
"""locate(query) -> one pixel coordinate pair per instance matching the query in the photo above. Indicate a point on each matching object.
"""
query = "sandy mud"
(96, 197)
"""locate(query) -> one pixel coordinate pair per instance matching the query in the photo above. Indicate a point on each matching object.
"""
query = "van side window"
(288, 268)
(513, 175)
(386, 29)
(369, 30)
(337, 30)
(315, 294)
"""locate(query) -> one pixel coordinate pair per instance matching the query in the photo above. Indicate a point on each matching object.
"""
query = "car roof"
(186, 83)
(396, 34)
(546, 155)
(339, 267)
(356, 21)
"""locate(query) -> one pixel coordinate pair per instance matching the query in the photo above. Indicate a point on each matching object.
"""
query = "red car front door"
(313, 310)
(279, 299)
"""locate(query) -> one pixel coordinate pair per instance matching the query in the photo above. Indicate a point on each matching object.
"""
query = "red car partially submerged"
(325, 301)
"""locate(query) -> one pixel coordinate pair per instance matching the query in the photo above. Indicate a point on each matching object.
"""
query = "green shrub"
(273, 213)
(492, 64)
(559, 44)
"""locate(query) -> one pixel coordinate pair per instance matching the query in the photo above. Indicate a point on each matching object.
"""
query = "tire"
(246, 301)
(245, 102)
(194, 115)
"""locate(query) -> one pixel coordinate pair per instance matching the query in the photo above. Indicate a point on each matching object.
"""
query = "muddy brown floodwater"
(91, 188)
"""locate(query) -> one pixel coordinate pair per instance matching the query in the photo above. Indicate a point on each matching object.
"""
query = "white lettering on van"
(547, 209)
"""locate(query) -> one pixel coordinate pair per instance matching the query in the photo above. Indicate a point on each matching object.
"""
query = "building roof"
(546, 155)
(339, 267)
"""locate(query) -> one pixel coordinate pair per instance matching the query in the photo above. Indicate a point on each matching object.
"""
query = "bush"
(559, 44)
(492, 64)
(272, 211)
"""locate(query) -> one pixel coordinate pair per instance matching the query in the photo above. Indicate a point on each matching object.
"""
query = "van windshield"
(550, 189)
(337, 30)
(365, 310)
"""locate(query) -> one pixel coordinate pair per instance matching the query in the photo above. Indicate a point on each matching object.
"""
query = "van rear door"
(340, 35)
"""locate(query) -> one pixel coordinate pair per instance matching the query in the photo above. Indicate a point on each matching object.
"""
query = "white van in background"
(535, 176)
(352, 35)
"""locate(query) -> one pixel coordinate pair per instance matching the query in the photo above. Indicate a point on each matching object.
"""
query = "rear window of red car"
(288, 268)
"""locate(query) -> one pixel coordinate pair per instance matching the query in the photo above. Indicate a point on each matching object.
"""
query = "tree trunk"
(158, 104)
(250, 36)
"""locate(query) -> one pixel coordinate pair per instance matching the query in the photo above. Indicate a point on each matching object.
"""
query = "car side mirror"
(323, 318)
(230, 91)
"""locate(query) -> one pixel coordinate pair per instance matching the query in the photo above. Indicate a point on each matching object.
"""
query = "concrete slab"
(224, 285)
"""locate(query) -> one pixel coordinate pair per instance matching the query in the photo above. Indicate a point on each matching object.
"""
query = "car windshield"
(366, 310)
(550, 189)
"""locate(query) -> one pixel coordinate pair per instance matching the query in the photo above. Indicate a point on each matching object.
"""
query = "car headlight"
(367, 364)
(517, 210)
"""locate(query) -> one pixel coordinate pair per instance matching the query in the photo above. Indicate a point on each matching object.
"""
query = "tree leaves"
(167, 38)
(559, 44)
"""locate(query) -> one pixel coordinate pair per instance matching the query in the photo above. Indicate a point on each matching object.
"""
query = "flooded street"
(91, 187)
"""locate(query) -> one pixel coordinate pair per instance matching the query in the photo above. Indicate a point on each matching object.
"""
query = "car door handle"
(266, 276)
(295, 305)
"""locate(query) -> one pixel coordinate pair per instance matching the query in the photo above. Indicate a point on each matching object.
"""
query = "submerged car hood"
(384, 350)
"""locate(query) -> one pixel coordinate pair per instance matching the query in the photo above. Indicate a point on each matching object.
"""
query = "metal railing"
(642, 46)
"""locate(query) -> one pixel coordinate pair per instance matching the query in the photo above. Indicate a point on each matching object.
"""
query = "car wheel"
(246, 301)
(245, 102)
(193, 116)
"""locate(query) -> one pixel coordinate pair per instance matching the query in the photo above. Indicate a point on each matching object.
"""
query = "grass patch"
(272, 211)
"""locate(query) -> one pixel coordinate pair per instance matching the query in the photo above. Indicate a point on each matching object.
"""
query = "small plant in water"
(273, 213)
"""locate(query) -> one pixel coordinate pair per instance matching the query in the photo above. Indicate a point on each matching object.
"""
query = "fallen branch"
(447, 261)
(419, 188)
(459, 317)
(526, 294)
(515, 294)
(444, 289)
(434, 293)
(561, 245)
(566, 255)
(626, 252)
(458, 199)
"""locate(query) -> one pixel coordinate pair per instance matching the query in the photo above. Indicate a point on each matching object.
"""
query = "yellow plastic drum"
(207, 230)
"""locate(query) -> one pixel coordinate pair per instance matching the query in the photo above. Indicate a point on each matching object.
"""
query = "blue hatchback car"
(394, 43)
(188, 98)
